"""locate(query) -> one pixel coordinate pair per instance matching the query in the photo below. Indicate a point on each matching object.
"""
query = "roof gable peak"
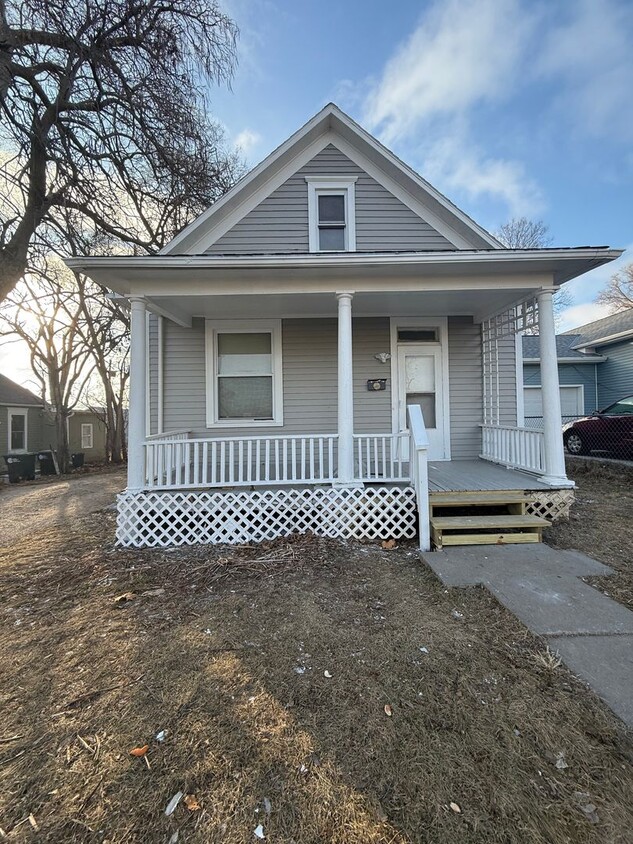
(331, 125)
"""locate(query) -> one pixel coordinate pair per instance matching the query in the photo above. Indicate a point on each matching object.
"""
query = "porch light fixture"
(383, 357)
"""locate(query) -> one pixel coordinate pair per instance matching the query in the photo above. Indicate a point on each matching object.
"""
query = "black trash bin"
(47, 463)
(21, 467)
(77, 460)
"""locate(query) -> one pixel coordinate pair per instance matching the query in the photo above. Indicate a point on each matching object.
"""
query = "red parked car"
(609, 430)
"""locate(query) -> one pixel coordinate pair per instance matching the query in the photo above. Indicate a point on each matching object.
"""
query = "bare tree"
(103, 114)
(521, 233)
(618, 294)
(104, 329)
(44, 312)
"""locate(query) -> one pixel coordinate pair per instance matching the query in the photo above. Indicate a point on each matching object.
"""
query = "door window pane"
(427, 404)
(18, 431)
(245, 398)
(418, 335)
(420, 385)
(244, 354)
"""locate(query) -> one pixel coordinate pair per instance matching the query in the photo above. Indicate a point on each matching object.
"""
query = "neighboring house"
(595, 368)
(27, 426)
(332, 346)
(578, 375)
(612, 338)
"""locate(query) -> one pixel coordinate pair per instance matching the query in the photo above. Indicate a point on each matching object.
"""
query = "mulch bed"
(328, 692)
(601, 523)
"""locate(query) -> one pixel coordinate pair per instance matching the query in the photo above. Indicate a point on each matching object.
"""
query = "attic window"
(331, 213)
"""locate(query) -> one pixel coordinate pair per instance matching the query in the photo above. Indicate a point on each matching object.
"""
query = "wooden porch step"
(486, 530)
(483, 497)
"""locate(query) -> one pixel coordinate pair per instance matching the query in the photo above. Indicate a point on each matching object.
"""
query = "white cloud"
(458, 164)
(463, 53)
(577, 315)
(589, 55)
(247, 140)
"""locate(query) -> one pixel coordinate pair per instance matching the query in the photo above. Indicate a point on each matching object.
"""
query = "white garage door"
(571, 401)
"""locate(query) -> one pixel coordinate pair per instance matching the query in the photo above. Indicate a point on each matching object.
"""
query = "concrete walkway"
(541, 586)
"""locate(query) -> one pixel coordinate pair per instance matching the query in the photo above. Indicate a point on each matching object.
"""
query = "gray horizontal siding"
(310, 380)
(615, 375)
(309, 348)
(465, 380)
(507, 380)
(280, 222)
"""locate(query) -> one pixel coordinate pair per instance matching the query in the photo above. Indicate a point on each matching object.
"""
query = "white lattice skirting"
(552, 505)
(161, 519)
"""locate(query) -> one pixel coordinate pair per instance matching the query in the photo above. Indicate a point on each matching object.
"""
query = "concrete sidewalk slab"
(551, 605)
(606, 664)
(541, 586)
(472, 565)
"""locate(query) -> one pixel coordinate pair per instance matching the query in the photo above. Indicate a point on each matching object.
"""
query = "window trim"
(345, 185)
(17, 411)
(251, 326)
(89, 425)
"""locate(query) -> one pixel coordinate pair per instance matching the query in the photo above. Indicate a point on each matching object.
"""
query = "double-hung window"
(244, 373)
(331, 212)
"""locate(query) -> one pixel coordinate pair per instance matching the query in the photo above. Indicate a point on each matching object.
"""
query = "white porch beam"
(555, 473)
(138, 390)
(345, 392)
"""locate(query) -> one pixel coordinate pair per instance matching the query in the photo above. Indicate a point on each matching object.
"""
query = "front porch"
(347, 411)
(251, 489)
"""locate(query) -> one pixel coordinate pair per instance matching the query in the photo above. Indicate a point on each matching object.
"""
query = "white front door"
(421, 381)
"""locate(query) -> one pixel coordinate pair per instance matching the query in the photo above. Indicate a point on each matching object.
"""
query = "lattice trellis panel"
(552, 505)
(160, 519)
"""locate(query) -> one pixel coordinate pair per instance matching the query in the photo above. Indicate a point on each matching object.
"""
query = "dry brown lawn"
(601, 523)
(226, 651)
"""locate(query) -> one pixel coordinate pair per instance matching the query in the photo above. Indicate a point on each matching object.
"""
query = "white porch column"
(138, 390)
(555, 473)
(345, 392)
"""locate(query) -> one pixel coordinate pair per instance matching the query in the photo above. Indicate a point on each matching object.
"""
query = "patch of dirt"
(271, 670)
(601, 524)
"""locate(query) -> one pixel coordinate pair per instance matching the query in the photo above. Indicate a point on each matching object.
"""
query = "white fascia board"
(521, 259)
(586, 359)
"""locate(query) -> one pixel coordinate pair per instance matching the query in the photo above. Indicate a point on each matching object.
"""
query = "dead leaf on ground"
(139, 751)
(388, 710)
(125, 597)
(152, 593)
(191, 802)
(33, 822)
(455, 807)
(389, 544)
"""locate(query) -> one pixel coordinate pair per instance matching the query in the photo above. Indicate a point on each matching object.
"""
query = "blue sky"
(510, 108)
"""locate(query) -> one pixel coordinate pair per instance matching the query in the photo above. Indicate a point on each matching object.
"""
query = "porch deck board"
(476, 475)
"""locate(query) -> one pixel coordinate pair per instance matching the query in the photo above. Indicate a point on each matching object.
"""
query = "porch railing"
(240, 461)
(516, 448)
(419, 460)
(381, 457)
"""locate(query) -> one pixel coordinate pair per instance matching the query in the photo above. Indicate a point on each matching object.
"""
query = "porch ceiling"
(477, 303)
